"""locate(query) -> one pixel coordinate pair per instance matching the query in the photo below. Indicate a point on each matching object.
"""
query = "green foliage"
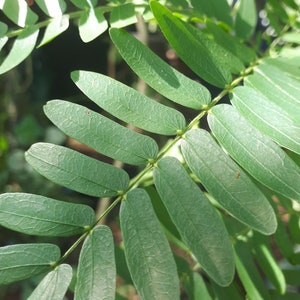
(212, 194)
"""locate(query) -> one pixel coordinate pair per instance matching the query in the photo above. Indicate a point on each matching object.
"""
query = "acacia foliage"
(213, 199)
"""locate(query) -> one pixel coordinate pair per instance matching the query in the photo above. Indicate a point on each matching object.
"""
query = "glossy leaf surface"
(255, 152)
(101, 133)
(18, 262)
(128, 105)
(76, 171)
(149, 258)
(96, 277)
(158, 74)
(182, 36)
(196, 220)
(227, 182)
(54, 285)
(38, 215)
(91, 24)
(21, 48)
(267, 117)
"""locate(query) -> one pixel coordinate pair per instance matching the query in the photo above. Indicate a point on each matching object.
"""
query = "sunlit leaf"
(91, 24)
(227, 182)
(196, 220)
(255, 152)
(21, 48)
(57, 26)
(158, 74)
(123, 15)
(54, 285)
(101, 133)
(53, 8)
(128, 105)
(3, 30)
(38, 215)
(18, 262)
(149, 258)
(76, 171)
(96, 277)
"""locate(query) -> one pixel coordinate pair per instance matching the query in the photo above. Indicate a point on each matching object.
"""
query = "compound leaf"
(54, 285)
(21, 48)
(158, 74)
(123, 15)
(181, 36)
(101, 133)
(129, 105)
(268, 117)
(255, 152)
(196, 220)
(76, 171)
(53, 8)
(18, 262)
(96, 277)
(38, 215)
(149, 258)
(227, 182)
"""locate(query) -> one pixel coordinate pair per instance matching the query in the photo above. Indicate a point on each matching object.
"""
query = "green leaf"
(56, 26)
(158, 74)
(218, 9)
(248, 274)
(227, 182)
(294, 227)
(53, 8)
(123, 15)
(246, 19)
(54, 285)
(96, 277)
(21, 48)
(206, 59)
(268, 117)
(3, 30)
(38, 215)
(76, 171)
(18, 262)
(84, 3)
(129, 105)
(101, 133)
(149, 258)
(232, 292)
(18, 12)
(196, 220)
(278, 87)
(91, 24)
(267, 262)
(255, 152)
(3, 41)
(231, 43)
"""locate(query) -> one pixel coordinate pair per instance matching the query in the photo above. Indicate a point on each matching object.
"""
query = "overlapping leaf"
(21, 48)
(128, 105)
(278, 87)
(158, 74)
(77, 171)
(38, 215)
(149, 258)
(53, 8)
(196, 220)
(212, 66)
(54, 285)
(101, 133)
(227, 182)
(96, 277)
(255, 152)
(268, 117)
(18, 262)
(123, 15)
